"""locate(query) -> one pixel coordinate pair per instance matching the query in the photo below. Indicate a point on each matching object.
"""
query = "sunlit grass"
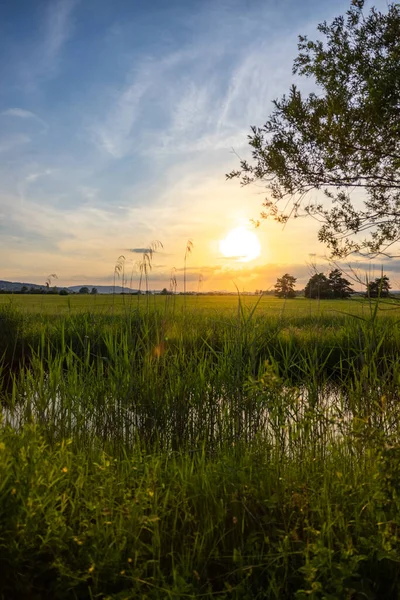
(266, 306)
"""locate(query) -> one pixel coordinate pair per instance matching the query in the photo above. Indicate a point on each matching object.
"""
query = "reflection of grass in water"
(194, 467)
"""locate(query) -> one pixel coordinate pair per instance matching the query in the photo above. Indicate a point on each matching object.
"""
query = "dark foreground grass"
(162, 455)
(248, 523)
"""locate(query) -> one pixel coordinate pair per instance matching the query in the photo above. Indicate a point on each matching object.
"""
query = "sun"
(241, 244)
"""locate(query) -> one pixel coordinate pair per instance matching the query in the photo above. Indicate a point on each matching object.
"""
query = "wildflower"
(122, 573)
(64, 470)
(13, 491)
(234, 520)
(130, 560)
(150, 493)
(91, 569)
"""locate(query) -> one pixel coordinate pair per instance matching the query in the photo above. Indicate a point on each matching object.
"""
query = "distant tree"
(84, 290)
(24, 289)
(284, 287)
(94, 291)
(318, 287)
(63, 292)
(339, 287)
(164, 292)
(379, 288)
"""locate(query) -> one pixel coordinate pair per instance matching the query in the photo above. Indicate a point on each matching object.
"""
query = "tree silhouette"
(318, 287)
(284, 287)
(339, 286)
(379, 287)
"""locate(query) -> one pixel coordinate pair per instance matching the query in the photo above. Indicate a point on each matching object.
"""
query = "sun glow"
(240, 244)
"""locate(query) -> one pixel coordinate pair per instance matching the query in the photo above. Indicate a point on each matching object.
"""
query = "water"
(286, 418)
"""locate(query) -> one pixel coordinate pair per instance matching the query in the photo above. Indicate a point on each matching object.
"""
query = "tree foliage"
(334, 286)
(339, 286)
(284, 287)
(379, 288)
(345, 137)
(317, 287)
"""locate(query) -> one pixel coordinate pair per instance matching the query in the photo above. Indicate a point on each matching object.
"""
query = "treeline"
(38, 291)
(333, 286)
(52, 291)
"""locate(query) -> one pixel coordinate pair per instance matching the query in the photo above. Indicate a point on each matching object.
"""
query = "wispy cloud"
(197, 109)
(114, 134)
(43, 59)
(34, 176)
(21, 113)
(58, 27)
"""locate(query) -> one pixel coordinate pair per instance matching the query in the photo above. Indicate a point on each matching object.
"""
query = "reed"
(200, 453)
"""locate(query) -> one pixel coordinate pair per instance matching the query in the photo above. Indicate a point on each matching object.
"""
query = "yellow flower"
(64, 470)
(151, 493)
(91, 569)
(129, 560)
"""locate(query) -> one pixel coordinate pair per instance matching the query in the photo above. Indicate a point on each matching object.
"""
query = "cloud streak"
(42, 62)
(21, 113)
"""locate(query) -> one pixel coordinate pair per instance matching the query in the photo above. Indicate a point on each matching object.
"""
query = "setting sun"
(241, 244)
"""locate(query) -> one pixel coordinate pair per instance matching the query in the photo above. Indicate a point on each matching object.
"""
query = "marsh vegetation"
(199, 447)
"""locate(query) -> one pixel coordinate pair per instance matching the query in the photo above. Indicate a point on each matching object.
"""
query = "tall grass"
(168, 454)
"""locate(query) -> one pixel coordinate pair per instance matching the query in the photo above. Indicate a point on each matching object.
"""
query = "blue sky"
(117, 123)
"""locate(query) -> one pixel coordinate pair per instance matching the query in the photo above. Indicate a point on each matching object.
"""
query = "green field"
(120, 304)
(221, 447)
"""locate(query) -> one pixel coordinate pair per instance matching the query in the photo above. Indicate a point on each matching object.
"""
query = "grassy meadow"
(199, 447)
(265, 305)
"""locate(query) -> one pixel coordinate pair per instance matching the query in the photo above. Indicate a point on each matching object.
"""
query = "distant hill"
(16, 286)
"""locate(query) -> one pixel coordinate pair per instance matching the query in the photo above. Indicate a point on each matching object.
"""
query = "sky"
(118, 123)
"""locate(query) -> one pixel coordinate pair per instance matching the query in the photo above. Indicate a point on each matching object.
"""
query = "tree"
(284, 287)
(318, 287)
(94, 291)
(333, 286)
(342, 138)
(84, 290)
(379, 288)
(339, 287)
